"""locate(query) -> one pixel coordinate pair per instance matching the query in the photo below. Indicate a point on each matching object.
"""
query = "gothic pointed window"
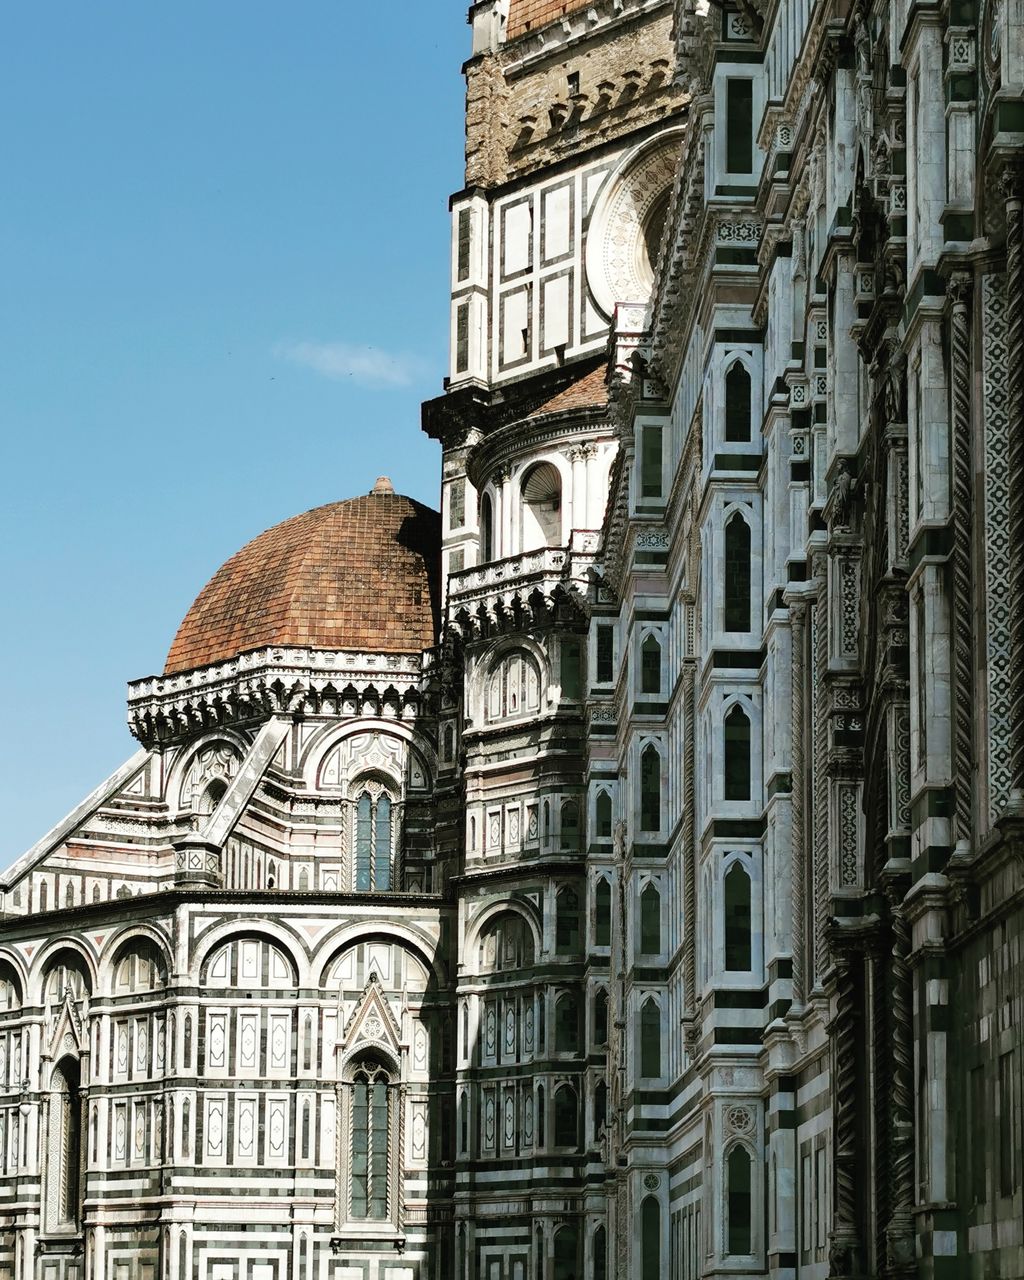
(601, 1017)
(566, 1117)
(650, 789)
(603, 816)
(374, 844)
(739, 1203)
(600, 1108)
(650, 665)
(737, 920)
(650, 1039)
(370, 1144)
(600, 1254)
(737, 404)
(567, 1031)
(603, 913)
(737, 574)
(737, 755)
(64, 1164)
(650, 1239)
(567, 921)
(566, 1250)
(650, 920)
(570, 821)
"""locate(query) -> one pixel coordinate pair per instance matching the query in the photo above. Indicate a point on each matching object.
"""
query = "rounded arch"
(513, 944)
(416, 941)
(13, 982)
(540, 495)
(525, 910)
(353, 1056)
(274, 932)
(623, 224)
(231, 741)
(118, 946)
(50, 954)
(332, 735)
(487, 539)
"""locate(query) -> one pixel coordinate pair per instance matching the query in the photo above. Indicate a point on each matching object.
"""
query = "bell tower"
(573, 134)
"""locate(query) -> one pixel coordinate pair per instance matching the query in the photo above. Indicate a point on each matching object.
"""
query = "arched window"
(64, 1165)
(650, 789)
(448, 743)
(66, 974)
(600, 1108)
(600, 1017)
(567, 921)
(570, 820)
(566, 1250)
(10, 988)
(542, 507)
(737, 755)
(602, 913)
(737, 573)
(567, 1029)
(506, 943)
(650, 1239)
(737, 403)
(603, 816)
(370, 1141)
(650, 920)
(650, 1039)
(205, 802)
(513, 687)
(650, 665)
(463, 1124)
(737, 919)
(541, 1115)
(738, 1170)
(566, 1117)
(599, 1249)
(374, 842)
(486, 529)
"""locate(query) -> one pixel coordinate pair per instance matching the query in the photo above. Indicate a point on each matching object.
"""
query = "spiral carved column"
(798, 614)
(963, 644)
(689, 859)
(819, 833)
(844, 1247)
(1013, 188)
(900, 1230)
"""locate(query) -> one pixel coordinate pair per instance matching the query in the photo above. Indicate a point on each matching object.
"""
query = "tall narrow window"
(737, 403)
(600, 1108)
(602, 913)
(570, 822)
(737, 920)
(486, 529)
(569, 669)
(457, 503)
(65, 1145)
(567, 921)
(603, 816)
(463, 1125)
(541, 1115)
(567, 1032)
(737, 574)
(650, 789)
(566, 1249)
(605, 654)
(1009, 1132)
(370, 1142)
(601, 1017)
(737, 755)
(650, 1239)
(600, 1251)
(739, 1202)
(650, 665)
(650, 462)
(374, 843)
(650, 1039)
(650, 920)
(566, 1117)
(739, 116)
(542, 507)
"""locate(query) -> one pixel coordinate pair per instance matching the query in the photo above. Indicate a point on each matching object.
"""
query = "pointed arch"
(567, 921)
(650, 1039)
(602, 815)
(737, 904)
(566, 1105)
(737, 574)
(650, 664)
(737, 754)
(650, 919)
(64, 1158)
(602, 912)
(650, 788)
(737, 403)
(600, 1017)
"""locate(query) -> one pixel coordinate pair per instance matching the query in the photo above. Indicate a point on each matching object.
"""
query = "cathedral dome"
(362, 574)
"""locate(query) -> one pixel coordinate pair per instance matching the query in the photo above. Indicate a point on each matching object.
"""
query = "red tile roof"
(528, 15)
(362, 574)
(588, 392)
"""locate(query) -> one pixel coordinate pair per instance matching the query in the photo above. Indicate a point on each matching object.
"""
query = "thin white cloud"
(369, 366)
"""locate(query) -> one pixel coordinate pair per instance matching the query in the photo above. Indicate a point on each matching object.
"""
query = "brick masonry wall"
(528, 15)
(516, 125)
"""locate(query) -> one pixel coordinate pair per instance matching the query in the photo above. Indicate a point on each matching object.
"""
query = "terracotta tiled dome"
(362, 574)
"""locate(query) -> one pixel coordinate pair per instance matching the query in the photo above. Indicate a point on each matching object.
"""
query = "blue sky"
(224, 257)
